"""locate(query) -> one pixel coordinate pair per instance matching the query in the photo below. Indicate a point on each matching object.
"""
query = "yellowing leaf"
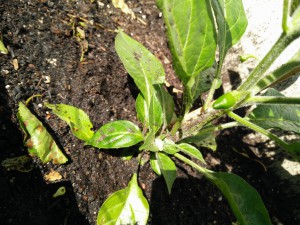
(38, 140)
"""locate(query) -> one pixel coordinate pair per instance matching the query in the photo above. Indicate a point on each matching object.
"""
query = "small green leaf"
(243, 199)
(168, 169)
(154, 164)
(167, 104)
(142, 110)
(170, 147)
(38, 140)
(3, 50)
(116, 134)
(285, 117)
(203, 140)
(191, 35)
(145, 69)
(77, 119)
(156, 116)
(191, 151)
(126, 206)
(149, 143)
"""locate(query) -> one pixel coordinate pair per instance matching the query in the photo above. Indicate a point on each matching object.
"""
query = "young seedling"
(193, 42)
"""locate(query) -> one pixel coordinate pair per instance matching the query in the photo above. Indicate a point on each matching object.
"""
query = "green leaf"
(203, 140)
(167, 104)
(150, 143)
(142, 110)
(77, 119)
(145, 69)
(243, 199)
(3, 50)
(126, 206)
(293, 149)
(191, 151)
(285, 117)
(168, 169)
(156, 116)
(116, 134)
(232, 23)
(170, 147)
(191, 35)
(154, 164)
(38, 140)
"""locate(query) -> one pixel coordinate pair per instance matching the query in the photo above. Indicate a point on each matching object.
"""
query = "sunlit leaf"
(145, 69)
(243, 199)
(285, 117)
(191, 151)
(38, 140)
(116, 134)
(142, 110)
(154, 164)
(232, 22)
(191, 35)
(156, 116)
(77, 119)
(126, 206)
(168, 169)
(170, 147)
(3, 49)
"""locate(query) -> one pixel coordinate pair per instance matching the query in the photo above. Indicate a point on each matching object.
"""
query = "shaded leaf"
(116, 134)
(285, 117)
(126, 206)
(243, 199)
(168, 169)
(191, 37)
(77, 119)
(38, 140)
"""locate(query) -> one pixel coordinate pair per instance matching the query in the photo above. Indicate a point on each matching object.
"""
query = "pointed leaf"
(170, 147)
(116, 134)
(168, 169)
(154, 164)
(232, 22)
(191, 35)
(126, 206)
(191, 151)
(77, 119)
(285, 117)
(243, 199)
(39, 141)
(150, 143)
(142, 65)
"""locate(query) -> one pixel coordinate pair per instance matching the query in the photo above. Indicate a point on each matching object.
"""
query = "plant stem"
(285, 15)
(283, 41)
(204, 171)
(258, 129)
(272, 100)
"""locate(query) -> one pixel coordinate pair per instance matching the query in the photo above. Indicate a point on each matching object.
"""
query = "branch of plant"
(258, 129)
(272, 100)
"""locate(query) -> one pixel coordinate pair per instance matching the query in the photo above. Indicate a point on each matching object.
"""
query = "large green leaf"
(154, 164)
(142, 65)
(191, 35)
(38, 140)
(116, 134)
(285, 117)
(77, 119)
(126, 206)
(232, 22)
(168, 169)
(244, 200)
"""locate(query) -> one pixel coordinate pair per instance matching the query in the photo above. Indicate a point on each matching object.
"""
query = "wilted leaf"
(77, 119)
(126, 206)
(116, 134)
(21, 163)
(53, 176)
(39, 141)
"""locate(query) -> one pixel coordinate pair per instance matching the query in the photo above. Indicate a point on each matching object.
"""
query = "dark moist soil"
(40, 39)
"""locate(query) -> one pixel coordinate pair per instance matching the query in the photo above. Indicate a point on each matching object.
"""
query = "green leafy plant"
(165, 135)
